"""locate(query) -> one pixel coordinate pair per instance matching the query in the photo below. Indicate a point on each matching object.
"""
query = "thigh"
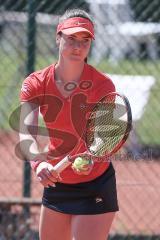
(54, 225)
(93, 227)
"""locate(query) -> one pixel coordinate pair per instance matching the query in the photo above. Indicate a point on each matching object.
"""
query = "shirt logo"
(24, 88)
(82, 106)
(98, 199)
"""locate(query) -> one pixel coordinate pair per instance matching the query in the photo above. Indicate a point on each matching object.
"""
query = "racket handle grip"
(64, 163)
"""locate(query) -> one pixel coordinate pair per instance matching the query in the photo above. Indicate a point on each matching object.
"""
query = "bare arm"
(28, 130)
(28, 134)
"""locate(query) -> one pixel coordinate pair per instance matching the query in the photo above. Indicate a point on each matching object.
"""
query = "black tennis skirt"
(94, 197)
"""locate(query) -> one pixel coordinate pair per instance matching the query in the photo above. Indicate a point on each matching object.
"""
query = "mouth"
(76, 54)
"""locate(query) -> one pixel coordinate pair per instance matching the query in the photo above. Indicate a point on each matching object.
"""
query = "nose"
(77, 44)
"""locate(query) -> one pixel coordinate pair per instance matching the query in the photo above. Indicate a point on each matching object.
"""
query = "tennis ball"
(81, 163)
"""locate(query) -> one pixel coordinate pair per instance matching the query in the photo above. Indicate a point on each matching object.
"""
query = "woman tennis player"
(78, 204)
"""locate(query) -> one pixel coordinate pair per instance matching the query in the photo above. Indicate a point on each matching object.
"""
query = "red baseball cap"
(76, 24)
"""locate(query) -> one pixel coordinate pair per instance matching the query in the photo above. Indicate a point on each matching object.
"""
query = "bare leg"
(95, 227)
(54, 225)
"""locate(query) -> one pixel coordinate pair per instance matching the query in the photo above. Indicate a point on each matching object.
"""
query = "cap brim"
(70, 31)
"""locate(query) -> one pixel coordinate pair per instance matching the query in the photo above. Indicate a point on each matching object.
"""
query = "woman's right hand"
(46, 174)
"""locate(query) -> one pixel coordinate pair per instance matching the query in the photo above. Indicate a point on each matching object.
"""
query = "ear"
(58, 37)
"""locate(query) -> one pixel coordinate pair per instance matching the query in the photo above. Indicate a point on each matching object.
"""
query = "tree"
(47, 6)
(146, 10)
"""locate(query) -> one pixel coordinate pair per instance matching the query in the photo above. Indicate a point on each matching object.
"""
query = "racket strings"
(106, 126)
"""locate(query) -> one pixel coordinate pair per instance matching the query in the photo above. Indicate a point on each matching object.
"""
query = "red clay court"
(138, 189)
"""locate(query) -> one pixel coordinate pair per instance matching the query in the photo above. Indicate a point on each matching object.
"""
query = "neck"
(68, 72)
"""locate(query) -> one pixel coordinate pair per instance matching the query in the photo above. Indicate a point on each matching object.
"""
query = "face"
(74, 47)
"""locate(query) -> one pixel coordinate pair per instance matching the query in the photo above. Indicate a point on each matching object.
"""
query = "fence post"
(30, 66)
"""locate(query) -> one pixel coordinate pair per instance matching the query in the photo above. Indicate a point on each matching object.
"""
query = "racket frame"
(66, 161)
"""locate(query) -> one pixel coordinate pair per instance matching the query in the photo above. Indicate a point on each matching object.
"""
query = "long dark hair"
(76, 12)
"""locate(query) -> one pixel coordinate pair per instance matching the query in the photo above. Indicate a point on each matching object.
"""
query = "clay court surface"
(138, 184)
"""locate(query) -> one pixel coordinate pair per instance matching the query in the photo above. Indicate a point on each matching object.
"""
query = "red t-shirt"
(65, 117)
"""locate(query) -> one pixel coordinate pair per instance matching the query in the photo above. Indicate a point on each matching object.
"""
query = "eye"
(71, 38)
(86, 41)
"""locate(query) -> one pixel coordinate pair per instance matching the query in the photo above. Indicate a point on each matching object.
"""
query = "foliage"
(47, 6)
(146, 10)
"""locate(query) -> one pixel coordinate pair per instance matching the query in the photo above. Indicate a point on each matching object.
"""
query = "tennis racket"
(108, 125)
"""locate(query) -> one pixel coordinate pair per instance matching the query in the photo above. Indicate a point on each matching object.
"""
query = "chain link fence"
(127, 47)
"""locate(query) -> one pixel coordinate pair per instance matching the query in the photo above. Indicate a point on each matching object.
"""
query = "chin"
(76, 59)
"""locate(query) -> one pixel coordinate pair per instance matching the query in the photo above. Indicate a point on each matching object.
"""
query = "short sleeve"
(29, 90)
(105, 86)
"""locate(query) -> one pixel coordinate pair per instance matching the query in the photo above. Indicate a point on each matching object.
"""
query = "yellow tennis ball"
(81, 163)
